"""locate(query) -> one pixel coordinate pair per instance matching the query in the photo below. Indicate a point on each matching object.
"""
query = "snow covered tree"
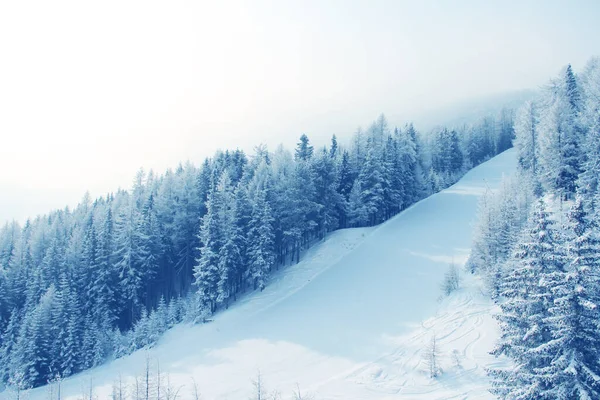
(447, 153)
(560, 136)
(130, 256)
(206, 272)
(431, 356)
(451, 281)
(192, 193)
(229, 255)
(588, 183)
(345, 183)
(261, 254)
(358, 214)
(505, 132)
(33, 350)
(371, 184)
(304, 150)
(392, 182)
(334, 149)
(574, 372)
(526, 331)
(526, 140)
(408, 159)
(326, 195)
(9, 340)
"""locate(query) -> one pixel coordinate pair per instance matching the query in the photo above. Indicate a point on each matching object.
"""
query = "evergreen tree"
(526, 141)
(9, 339)
(326, 195)
(206, 273)
(345, 183)
(560, 136)
(261, 254)
(408, 165)
(304, 150)
(590, 121)
(130, 256)
(526, 331)
(358, 214)
(333, 151)
(371, 184)
(229, 255)
(574, 372)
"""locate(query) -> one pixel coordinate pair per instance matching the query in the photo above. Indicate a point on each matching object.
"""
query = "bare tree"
(136, 388)
(298, 395)
(54, 386)
(431, 356)
(17, 388)
(146, 379)
(88, 392)
(195, 392)
(171, 392)
(117, 389)
(58, 380)
(451, 281)
(158, 380)
(260, 392)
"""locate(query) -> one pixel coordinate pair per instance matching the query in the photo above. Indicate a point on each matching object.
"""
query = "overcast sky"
(92, 90)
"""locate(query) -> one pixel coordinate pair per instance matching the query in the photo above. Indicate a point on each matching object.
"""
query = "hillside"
(351, 320)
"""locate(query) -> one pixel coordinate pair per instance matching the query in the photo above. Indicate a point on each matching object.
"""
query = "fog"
(92, 91)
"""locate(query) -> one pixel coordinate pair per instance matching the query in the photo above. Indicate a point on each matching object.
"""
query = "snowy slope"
(348, 322)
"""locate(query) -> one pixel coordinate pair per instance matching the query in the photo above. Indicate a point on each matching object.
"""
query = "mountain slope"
(350, 321)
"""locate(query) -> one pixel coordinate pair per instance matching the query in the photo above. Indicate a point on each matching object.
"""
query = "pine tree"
(206, 272)
(326, 196)
(358, 214)
(230, 257)
(243, 216)
(261, 254)
(303, 211)
(345, 183)
(587, 183)
(103, 286)
(9, 340)
(371, 184)
(505, 131)
(192, 194)
(333, 151)
(408, 165)
(526, 141)
(560, 135)
(574, 372)
(304, 150)
(71, 350)
(526, 331)
(130, 255)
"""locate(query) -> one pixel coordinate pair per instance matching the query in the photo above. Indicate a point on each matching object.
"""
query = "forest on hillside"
(538, 246)
(80, 286)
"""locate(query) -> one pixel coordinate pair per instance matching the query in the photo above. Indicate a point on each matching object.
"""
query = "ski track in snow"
(350, 321)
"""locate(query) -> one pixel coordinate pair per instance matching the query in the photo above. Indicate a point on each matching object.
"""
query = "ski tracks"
(464, 332)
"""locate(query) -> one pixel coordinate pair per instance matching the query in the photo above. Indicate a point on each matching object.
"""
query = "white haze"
(91, 91)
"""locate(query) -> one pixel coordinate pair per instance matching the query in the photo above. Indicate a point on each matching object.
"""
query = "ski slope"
(350, 321)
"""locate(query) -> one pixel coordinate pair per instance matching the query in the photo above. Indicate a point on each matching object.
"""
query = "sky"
(92, 91)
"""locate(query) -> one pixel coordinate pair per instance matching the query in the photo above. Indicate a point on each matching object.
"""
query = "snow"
(350, 321)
